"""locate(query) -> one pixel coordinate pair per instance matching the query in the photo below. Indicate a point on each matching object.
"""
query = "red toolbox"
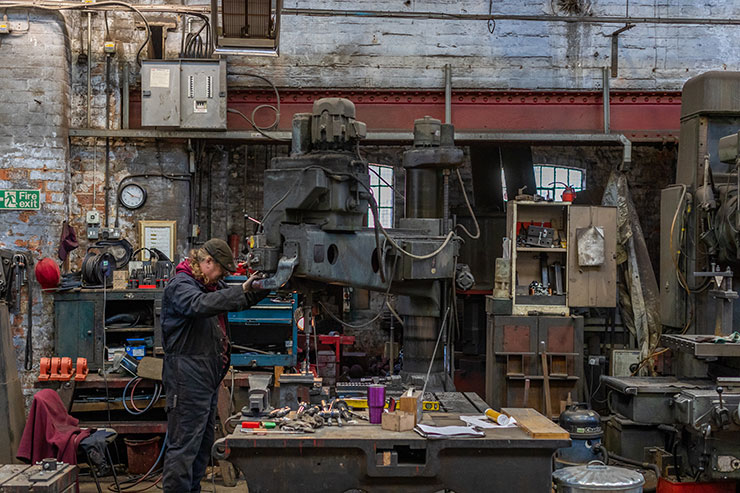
(666, 486)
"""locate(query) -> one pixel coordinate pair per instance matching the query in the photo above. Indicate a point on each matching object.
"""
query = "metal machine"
(313, 231)
(693, 411)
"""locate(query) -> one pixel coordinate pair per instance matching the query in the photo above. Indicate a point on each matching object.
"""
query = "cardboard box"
(411, 402)
(398, 421)
(120, 279)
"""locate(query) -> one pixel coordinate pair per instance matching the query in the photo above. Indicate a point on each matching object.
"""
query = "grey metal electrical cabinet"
(184, 93)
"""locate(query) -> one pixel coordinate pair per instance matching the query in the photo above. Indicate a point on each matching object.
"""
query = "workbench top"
(364, 431)
(452, 405)
(366, 457)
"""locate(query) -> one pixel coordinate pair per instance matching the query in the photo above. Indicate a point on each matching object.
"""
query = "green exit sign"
(20, 199)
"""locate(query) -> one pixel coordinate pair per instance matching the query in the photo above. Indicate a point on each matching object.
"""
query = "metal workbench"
(366, 457)
(701, 346)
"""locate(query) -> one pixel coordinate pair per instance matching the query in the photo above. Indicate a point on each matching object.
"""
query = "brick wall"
(166, 199)
(34, 101)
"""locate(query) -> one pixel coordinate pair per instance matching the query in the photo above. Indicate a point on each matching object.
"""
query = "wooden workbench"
(364, 456)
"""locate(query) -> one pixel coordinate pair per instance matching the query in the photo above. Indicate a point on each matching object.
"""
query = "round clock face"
(132, 196)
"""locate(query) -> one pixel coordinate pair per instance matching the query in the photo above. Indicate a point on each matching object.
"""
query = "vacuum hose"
(644, 465)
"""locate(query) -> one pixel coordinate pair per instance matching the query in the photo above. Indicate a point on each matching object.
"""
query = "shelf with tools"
(559, 256)
(88, 319)
(539, 232)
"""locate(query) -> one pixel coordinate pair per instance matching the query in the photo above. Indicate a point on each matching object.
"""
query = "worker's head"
(212, 262)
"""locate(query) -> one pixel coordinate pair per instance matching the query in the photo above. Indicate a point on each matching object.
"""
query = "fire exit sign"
(20, 199)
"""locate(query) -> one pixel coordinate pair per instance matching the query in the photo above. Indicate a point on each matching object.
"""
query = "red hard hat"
(47, 273)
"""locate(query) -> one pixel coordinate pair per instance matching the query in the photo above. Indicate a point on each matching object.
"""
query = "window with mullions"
(552, 180)
(381, 185)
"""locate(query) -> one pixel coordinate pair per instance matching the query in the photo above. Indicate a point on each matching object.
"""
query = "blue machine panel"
(269, 315)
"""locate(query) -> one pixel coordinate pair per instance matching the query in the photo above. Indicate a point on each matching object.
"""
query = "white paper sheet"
(429, 431)
(484, 422)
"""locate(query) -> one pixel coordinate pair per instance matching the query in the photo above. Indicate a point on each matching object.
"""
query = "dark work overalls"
(194, 365)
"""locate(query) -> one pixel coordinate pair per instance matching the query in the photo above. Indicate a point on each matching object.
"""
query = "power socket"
(92, 217)
(596, 360)
(5, 26)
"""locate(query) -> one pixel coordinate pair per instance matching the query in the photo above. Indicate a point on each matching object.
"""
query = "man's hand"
(247, 286)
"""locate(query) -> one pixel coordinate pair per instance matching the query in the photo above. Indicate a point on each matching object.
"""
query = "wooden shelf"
(540, 249)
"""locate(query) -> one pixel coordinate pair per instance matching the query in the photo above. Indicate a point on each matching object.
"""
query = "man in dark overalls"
(197, 354)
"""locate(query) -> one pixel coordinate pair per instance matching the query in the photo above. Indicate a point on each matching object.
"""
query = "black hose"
(632, 462)
(93, 274)
(675, 460)
(123, 243)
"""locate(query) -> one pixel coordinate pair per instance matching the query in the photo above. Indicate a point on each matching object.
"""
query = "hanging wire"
(491, 20)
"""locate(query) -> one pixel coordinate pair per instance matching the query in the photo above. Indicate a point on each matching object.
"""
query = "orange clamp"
(81, 370)
(61, 369)
(44, 369)
(56, 364)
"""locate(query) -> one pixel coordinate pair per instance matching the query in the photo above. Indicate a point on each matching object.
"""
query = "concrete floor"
(87, 485)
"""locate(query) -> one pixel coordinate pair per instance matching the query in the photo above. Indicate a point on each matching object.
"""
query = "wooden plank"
(8, 472)
(535, 424)
(546, 382)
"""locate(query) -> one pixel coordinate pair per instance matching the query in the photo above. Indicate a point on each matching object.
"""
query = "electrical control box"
(184, 93)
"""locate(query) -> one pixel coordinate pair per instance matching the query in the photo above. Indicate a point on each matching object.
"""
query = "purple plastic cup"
(376, 402)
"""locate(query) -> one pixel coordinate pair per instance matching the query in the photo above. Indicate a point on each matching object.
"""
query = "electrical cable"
(394, 313)
(258, 129)
(376, 217)
(369, 167)
(378, 225)
(373, 208)
(431, 361)
(123, 243)
(86, 7)
(152, 253)
(136, 411)
(104, 360)
(279, 201)
(113, 469)
(139, 479)
(93, 273)
(470, 209)
(276, 109)
(276, 122)
(491, 21)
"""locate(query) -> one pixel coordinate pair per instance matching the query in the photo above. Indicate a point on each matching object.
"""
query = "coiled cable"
(135, 410)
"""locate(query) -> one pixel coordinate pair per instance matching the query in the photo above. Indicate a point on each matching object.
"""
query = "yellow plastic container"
(497, 417)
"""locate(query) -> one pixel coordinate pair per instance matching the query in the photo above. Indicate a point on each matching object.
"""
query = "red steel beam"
(641, 116)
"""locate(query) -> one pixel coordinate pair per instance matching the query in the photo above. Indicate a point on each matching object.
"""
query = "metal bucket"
(596, 477)
(141, 454)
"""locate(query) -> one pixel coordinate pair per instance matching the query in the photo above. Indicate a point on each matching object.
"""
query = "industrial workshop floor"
(87, 485)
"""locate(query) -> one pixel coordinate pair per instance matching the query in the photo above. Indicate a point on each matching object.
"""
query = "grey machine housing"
(314, 229)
